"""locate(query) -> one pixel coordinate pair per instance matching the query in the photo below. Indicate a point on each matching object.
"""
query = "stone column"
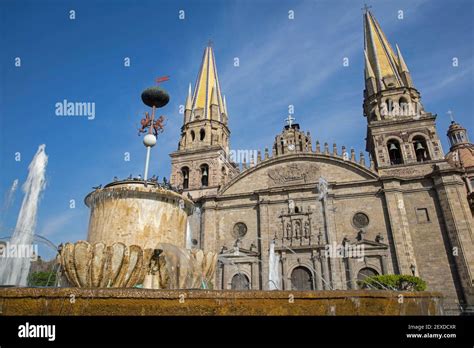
(255, 276)
(384, 264)
(220, 275)
(459, 226)
(210, 227)
(284, 268)
(350, 269)
(225, 275)
(327, 281)
(265, 240)
(331, 238)
(317, 269)
(399, 226)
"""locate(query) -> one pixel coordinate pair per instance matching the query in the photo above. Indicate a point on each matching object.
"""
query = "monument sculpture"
(137, 229)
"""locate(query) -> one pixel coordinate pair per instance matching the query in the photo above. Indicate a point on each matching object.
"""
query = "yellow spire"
(207, 80)
(189, 104)
(369, 72)
(380, 54)
(214, 96)
(401, 61)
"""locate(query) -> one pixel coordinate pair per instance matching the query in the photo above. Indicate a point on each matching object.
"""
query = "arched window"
(193, 136)
(421, 150)
(452, 140)
(394, 152)
(185, 173)
(389, 105)
(240, 282)
(205, 175)
(301, 279)
(202, 134)
(404, 106)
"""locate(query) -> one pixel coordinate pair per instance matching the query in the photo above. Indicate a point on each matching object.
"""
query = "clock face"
(291, 147)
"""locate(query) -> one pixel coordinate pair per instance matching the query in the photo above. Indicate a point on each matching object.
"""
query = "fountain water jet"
(274, 271)
(14, 270)
(189, 241)
(10, 195)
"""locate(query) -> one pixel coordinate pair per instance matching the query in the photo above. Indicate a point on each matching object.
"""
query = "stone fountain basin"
(141, 302)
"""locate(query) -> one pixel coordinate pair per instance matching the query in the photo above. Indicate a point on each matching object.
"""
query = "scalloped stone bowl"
(167, 266)
(99, 265)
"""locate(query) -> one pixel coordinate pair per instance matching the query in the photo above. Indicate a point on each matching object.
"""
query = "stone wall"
(139, 302)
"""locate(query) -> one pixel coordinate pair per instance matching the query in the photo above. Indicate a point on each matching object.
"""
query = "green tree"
(42, 279)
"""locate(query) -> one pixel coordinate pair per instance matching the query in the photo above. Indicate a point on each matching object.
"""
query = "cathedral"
(404, 207)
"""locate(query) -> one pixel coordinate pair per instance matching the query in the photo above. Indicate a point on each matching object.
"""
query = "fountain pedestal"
(132, 214)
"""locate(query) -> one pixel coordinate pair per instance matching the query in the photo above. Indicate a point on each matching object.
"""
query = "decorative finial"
(289, 120)
(210, 43)
(366, 8)
(451, 116)
(161, 79)
(154, 97)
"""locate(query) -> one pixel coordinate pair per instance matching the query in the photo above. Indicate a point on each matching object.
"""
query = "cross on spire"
(366, 7)
(451, 115)
(289, 120)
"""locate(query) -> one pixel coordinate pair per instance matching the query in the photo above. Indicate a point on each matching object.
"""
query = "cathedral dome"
(462, 156)
(461, 153)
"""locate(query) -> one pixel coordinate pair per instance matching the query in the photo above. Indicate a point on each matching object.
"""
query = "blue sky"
(282, 62)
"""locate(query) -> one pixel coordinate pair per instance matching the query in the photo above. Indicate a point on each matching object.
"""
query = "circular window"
(240, 230)
(360, 220)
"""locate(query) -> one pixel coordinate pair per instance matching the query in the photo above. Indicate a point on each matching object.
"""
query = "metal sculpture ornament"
(148, 124)
(154, 97)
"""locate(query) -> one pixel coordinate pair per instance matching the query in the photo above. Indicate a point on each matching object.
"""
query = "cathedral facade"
(310, 216)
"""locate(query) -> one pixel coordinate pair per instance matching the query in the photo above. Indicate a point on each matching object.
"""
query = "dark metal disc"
(155, 96)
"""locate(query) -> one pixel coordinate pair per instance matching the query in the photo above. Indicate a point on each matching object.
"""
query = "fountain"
(139, 234)
(14, 270)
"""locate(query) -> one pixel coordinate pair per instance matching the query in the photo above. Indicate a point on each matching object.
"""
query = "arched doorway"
(365, 273)
(301, 279)
(240, 282)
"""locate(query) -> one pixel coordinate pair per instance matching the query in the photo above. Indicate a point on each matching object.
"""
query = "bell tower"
(201, 163)
(399, 130)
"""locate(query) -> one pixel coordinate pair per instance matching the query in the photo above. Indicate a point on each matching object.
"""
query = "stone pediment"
(238, 252)
(370, 244)
(297, 169)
